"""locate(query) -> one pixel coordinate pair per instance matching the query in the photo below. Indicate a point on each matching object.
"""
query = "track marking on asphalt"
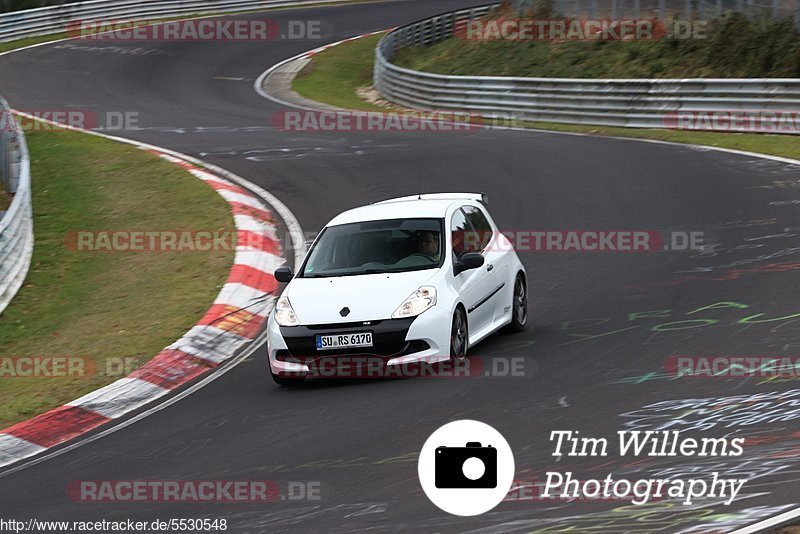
(258, 87)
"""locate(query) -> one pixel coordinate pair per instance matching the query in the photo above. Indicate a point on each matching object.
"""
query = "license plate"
(340, 341)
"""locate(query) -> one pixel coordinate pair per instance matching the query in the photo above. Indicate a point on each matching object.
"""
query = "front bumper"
(425, 338)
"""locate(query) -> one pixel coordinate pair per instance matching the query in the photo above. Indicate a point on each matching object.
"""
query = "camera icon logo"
(464, 476)
(472, 466)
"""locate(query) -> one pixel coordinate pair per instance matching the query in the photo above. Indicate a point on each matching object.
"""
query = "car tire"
(288, 381)
(459, 335)
(519, 306)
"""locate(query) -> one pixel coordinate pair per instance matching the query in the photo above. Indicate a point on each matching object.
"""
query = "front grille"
(388, 338)
(416, 345)
(333, 326)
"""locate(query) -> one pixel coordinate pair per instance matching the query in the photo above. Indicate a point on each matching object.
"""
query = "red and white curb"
(233, 321)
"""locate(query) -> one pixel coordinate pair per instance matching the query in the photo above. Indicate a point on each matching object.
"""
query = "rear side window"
(459, 231)
(482, 234)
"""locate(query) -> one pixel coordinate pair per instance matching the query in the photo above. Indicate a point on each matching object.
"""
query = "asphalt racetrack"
(601, 330)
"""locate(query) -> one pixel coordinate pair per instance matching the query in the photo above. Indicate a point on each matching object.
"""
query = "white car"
(412, 279)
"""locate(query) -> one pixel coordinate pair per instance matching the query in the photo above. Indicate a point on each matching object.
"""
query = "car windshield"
(386, 246)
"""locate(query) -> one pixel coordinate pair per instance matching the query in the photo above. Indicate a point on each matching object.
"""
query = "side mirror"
(469, 261)
(283, 274)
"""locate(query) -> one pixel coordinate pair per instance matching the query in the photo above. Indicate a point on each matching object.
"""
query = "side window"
(459, 230)
(479, 239)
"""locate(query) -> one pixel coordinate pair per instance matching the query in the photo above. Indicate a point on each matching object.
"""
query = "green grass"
(735, 47)
(334, 76)
(778, 145)
(5, 198)
(28, 41)
(104, 305)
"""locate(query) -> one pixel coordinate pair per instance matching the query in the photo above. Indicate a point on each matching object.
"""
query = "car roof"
(412, 207)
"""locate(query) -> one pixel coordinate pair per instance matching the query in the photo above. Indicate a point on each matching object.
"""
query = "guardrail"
(55, 19)
(16, 225)
(639, 103)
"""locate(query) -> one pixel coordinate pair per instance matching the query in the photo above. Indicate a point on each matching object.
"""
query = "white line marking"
(769, 523)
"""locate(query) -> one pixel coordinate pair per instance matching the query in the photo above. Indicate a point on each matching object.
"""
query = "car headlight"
(419, 301)
(284, 314)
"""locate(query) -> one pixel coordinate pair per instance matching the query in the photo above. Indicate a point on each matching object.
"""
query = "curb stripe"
(119, 397)
(258, 259)
(236, 198)
(254, 224)
(224, 329)
(240, 296)
(55, 426)
(13, 448)
(171, 368)
(249, 240)
(246, 275)
(209, 343)
(221, 186)
(244, 209)
(234, 320)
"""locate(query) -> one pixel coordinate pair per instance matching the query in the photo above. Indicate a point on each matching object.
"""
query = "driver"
(428, 244)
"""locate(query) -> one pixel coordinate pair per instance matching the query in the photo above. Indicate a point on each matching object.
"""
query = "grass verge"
(5, 199)
(28, 41)
(732, 46)
(337, 76)
(105, 306)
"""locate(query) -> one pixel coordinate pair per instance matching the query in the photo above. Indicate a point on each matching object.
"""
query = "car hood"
(368, 296)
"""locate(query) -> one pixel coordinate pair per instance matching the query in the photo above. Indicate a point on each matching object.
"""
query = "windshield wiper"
(370, 271)
(355, 273)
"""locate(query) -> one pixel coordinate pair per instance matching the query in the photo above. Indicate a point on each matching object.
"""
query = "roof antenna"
(419, 183)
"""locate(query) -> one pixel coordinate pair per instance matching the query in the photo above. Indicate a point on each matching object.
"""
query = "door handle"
(489, 267)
